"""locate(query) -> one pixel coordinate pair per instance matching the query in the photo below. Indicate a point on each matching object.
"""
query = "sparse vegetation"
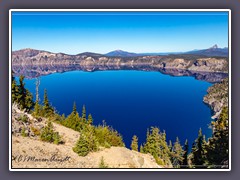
(102, 164)
(35, 131)
(23, 118)
(49, 135)
(134, 144)
(23, 133)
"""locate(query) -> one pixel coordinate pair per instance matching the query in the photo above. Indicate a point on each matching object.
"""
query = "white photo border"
(114, 10)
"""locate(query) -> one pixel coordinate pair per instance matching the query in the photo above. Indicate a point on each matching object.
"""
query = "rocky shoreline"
(182, 62)
(217, 97)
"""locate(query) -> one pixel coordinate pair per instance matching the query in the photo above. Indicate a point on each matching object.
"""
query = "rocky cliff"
(217, 97)
(184, 62)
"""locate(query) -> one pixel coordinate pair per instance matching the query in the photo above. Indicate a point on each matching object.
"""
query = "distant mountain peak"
(214, 47)
(121, 53)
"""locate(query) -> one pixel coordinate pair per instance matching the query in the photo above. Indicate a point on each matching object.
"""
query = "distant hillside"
(120, 53)
(90, 54)
(212, 51)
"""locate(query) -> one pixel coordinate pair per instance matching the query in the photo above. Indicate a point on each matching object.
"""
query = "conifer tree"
(157, 146)
(87, 142)
(134, 144)
(90, 119)
(141, 149)
(185, 155)
(198, 151)
(84, 114)
(170, 146)
(82, 146)
(178, 153)
(47, 108)
(14, 89)
(164, 149)
(218, 145)
(37, 108)
(74, 108)
(24, 97)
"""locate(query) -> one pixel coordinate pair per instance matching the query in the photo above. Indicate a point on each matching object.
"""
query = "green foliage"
(74, 121)
(23, 118)
(86, 143)
(177, 153)
(74, 108)
(217, 148)
(90, 119)
(23, 133)
(14, 90)
(47, 108)
(102, 164)
(170, 146)
(49, 135)
(84, 114)
(156, 145)
(134, 144)
(141, 149)
(35, 131)
(198, 151)
(185, 155)
(21, 95)
(108, 137)
(37, 111)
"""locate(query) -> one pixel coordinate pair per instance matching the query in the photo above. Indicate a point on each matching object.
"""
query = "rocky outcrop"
(24, 124)
(217, 97)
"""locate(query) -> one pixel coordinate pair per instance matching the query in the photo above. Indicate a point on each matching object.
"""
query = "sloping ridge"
(32, 153)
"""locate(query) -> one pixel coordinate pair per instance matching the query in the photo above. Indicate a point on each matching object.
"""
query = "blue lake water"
(132, 101)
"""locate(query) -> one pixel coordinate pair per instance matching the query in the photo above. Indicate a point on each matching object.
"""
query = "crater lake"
(132, 101)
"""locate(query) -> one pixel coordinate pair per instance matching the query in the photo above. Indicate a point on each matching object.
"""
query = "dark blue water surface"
(132, 101)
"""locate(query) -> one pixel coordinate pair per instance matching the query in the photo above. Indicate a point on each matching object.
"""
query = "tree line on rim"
(210, 153)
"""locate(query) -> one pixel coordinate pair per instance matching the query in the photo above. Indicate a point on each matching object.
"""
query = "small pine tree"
(37, 109)
(102, 164)
(74, 109)
(84, 114)
(90, 119)
(86, 143)
(141, 149)
(134, 144)
(82, 146)
(23, 133)
(47, 108)
(49, 135)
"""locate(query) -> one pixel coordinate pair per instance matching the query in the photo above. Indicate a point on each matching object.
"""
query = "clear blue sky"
(101, 32)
